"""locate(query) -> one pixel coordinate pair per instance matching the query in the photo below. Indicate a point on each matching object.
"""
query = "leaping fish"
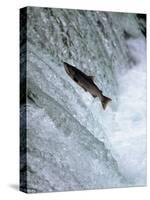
(87, 83)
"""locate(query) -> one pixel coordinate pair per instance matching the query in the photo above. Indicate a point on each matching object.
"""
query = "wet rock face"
(69, 136)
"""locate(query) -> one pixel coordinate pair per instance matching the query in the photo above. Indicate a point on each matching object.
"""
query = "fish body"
(87, 83)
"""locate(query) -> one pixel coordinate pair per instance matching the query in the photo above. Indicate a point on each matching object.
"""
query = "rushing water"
(72, 143)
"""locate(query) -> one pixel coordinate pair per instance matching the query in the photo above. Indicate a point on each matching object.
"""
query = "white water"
(127, 135)
(72, 142)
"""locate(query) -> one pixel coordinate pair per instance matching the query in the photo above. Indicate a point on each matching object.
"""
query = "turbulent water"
(72, 143)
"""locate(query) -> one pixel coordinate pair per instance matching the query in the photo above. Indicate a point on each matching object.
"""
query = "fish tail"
(105, 101)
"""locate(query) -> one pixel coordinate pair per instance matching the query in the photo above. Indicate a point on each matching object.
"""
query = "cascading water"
(72, 143)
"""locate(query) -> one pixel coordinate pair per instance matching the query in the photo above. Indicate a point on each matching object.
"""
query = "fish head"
(69, 69)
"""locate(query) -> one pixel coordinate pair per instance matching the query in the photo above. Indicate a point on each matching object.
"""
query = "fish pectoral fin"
(75, 79)
(91, 78)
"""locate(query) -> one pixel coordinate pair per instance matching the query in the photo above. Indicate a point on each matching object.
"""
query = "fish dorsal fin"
(91, 78)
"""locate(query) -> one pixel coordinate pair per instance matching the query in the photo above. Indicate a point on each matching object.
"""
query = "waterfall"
(72, 143)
